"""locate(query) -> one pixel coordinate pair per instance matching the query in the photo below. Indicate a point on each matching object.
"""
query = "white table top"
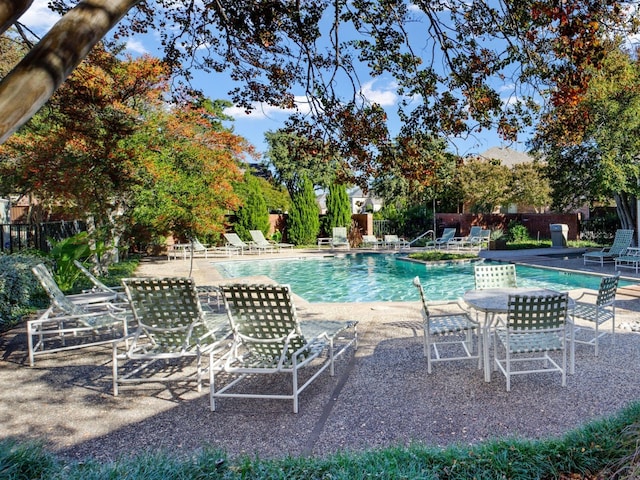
(495, 300)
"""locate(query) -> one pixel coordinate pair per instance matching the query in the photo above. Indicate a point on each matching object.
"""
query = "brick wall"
(537, 223)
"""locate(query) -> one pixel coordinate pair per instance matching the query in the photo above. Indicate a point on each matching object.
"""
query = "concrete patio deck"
(381, 395)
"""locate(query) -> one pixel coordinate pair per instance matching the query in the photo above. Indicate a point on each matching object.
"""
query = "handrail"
(431, 232)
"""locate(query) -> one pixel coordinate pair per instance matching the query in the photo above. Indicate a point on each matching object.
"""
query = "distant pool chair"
(621, 242)
(339, 238)
(443, 242)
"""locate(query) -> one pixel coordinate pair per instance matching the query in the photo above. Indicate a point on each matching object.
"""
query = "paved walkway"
(380, 396)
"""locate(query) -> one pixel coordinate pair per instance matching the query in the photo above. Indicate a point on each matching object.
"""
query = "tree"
(191, 166)
(303, 223)
(529, 186)
(485, 184)
(599, 160)
(449, 77)
(253, 214)
(73, 154)
(277, 197)
(109, 148)
(338, 207)
(293, 157)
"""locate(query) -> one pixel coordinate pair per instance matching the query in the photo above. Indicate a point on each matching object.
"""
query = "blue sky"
(264, 118)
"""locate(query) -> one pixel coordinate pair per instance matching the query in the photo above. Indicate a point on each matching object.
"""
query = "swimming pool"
(361, 277)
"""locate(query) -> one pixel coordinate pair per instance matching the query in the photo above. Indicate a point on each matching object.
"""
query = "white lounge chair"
(443, 241)
(462, 242)
(65, 325)
(395, 242)
(371, 241)
(98, 285)
(235, 242)
(339, 238)
(260, 241)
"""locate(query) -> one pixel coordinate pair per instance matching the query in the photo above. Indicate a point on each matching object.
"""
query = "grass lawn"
(606, 448)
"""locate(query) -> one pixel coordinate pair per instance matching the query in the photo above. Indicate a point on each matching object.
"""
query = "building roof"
(507, 156)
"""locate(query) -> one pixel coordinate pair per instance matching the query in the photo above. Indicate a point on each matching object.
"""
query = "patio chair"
(269, 340)
(339, 238)
(92, 320)
(198, 249)
(479, 241)
(370, 241)
(495, 276)
(172, 330)
(98, 285)
(235, 242)
(629, 259)
(443, 241)
(621, 242)
(462, 242)
(535, 326)
(258, 239)
(449, 328)
(393, 241)
(599, 311)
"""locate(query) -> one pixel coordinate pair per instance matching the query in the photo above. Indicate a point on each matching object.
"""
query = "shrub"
(516, 232)
(338, 207)
(303, 223)
(20, 292)
(254, 215)
(64, 253)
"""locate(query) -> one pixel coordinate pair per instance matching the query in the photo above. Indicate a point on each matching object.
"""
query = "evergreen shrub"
(20, 291)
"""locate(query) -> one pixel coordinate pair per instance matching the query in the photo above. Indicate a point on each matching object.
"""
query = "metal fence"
(382, 227)
(20, 236)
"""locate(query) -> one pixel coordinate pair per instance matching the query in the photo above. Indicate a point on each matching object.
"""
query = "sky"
(265, 118)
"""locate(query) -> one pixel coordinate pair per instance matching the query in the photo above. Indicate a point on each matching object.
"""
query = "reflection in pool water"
(374, 277)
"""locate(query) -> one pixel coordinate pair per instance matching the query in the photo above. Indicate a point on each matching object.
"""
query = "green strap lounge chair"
(172, 330)
(270, 340)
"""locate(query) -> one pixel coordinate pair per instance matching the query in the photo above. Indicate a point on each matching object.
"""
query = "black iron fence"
(20, 236)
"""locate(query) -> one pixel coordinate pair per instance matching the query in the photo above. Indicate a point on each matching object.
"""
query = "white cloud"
(136, 46)
(39, 18)
(262, 110)
(385, 97)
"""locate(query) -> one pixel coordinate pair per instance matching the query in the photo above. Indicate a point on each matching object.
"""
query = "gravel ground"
(381, 394)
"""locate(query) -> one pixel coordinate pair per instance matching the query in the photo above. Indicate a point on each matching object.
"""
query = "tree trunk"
(626, 208)
(10, 11)
(32, 82)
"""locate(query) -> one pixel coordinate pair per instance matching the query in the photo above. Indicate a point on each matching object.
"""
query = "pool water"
(380, 277)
